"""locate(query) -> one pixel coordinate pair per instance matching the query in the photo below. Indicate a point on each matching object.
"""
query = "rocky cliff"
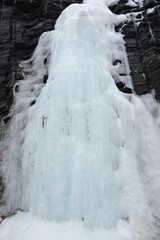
(23, 21)
(142, 36)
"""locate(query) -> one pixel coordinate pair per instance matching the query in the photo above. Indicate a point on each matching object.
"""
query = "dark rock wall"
(142, 36)
(21, 24)
(23, 21)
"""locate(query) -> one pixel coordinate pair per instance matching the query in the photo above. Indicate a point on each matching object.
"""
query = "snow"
(84, 159)
(139, 2)
(24, 226)
(131, 3)
(150, 10)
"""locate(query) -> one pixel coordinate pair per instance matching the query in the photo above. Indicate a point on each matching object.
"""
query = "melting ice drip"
(81, 147)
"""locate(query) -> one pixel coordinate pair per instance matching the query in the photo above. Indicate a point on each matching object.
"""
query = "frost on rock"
(83, 152)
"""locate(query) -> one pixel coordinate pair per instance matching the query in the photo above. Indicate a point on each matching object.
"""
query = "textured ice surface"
(84, 152)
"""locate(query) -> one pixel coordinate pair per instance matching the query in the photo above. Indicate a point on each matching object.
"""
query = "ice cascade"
(83, 156)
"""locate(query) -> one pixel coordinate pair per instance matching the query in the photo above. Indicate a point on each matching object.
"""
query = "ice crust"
(84, 152)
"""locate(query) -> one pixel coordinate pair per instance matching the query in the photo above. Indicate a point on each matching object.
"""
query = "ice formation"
(84, 152)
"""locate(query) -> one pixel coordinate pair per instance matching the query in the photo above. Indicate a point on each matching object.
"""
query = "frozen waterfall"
(84, 152)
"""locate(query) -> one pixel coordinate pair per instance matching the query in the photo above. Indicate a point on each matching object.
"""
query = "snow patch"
(23, 227)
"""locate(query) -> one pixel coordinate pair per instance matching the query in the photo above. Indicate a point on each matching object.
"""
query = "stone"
(33, 102)
(6, 119)
(121, 86)
(16, 88)
(45, 78)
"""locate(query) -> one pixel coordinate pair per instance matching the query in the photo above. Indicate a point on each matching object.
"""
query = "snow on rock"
(131, 3)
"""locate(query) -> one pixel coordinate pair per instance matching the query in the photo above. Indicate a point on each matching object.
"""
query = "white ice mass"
(83, 161)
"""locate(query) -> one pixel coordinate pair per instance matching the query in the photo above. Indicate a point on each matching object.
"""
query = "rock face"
(23, 21)
(21, 24)
(142, 36)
